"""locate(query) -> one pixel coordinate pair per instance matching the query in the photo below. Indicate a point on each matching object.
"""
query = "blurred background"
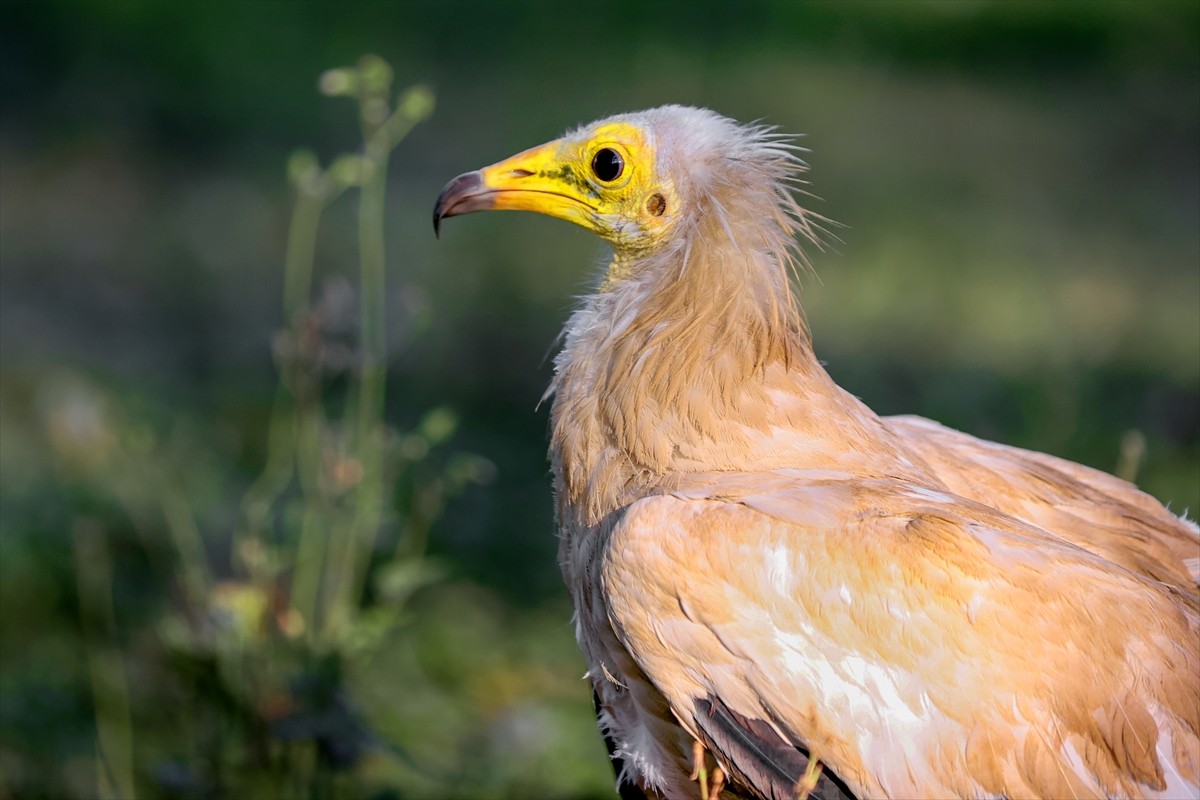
(275, 516)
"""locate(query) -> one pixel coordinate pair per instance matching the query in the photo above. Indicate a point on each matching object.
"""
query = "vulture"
(780, 594)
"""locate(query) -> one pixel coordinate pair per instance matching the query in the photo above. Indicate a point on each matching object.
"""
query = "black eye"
(607, 164)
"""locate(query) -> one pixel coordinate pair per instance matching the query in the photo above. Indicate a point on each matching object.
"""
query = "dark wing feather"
(759, 761)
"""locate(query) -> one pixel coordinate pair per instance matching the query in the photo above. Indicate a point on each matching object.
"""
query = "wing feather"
(917, 643)
(1095, 510)
(758, 758)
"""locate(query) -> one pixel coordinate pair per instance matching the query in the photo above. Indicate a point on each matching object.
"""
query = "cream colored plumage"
(762, 564)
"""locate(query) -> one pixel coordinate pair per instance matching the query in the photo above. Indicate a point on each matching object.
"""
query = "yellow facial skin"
(634, 209)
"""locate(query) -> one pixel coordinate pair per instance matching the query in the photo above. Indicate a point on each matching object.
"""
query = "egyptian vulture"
(781, 594)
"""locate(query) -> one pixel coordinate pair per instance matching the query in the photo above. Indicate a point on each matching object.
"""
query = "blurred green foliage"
(1021, 186)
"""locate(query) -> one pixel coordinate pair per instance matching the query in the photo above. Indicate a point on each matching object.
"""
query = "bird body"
(761, 564)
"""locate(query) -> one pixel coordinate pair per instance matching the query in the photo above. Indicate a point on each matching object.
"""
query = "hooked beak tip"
(464, 194)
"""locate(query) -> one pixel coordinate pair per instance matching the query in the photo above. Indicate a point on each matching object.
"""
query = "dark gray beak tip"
(462, 195)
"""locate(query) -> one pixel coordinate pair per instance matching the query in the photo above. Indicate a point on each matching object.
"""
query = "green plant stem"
(294, 442)
(334, 552)
(110, 688)
(282, 432)
(301, 252)
(300, 442)
(367, 435)
(369, 430)
(181, 523)
(316, 522)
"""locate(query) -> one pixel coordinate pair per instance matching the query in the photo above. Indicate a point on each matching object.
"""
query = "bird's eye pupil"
(607, 164)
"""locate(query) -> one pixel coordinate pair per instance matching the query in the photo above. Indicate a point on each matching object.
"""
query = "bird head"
(644, 181)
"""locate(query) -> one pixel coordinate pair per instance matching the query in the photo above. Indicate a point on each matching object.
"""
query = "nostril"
(519, 173)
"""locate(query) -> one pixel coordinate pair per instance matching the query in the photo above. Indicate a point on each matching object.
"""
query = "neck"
(673, 362)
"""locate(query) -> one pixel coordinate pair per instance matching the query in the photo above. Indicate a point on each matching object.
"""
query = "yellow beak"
(539, 179)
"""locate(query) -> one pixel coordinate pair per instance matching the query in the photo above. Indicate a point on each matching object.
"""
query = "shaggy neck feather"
(675, 347)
